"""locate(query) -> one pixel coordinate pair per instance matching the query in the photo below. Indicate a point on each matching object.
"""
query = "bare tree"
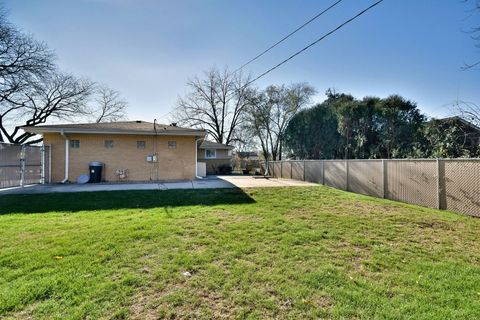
(258, 122)
(33, 92)
(59, 96)
(216, 102)
(109, 105)
(271, 110)
(468, 110)
(24, 62)
(22, 58)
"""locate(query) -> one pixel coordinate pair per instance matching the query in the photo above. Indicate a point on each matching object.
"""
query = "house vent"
(138, 121)
(173, 124)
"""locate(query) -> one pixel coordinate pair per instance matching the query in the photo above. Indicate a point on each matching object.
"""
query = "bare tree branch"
(58, 97)
(33, 92)
(468, 111)
(24, 62)
(109, 105)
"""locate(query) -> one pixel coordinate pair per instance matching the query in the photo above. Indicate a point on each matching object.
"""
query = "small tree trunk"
(280, 151)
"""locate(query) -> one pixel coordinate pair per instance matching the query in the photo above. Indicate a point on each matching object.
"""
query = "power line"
(166, 114)
(305, 48)
(316, 41)
(287, 36)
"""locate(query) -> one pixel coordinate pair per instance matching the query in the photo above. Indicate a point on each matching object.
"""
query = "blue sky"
(148, 49)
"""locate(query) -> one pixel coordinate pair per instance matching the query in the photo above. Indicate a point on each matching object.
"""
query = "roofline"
(217, 147)
(221, 147)
(160, 132)
(459, 118)
(468, 123)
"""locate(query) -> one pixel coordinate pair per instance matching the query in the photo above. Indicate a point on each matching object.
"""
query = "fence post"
(439, 185)
(384, 176)
(281, 169)
(303, 170)
(291, 170)
(323, 172)
(346, 175)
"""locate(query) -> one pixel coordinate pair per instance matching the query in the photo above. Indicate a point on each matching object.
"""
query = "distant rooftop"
(459, 119)
(120, 127)
(214, 145)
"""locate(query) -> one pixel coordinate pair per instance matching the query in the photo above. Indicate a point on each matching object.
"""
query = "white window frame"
(214, 153)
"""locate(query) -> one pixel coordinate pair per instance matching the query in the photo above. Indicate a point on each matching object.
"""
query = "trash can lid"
(83, 178)
(96, 164)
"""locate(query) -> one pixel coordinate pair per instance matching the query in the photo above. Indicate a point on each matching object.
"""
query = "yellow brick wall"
(173, 164)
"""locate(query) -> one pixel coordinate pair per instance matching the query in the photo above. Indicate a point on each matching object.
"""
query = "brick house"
(129, 150)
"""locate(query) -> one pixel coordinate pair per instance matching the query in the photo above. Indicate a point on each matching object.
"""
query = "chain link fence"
(22, 165)
(449, 184)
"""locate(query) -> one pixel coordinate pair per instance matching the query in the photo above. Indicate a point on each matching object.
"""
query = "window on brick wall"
(172, 144)
(74, 144)
(141, 144)
(109, 144)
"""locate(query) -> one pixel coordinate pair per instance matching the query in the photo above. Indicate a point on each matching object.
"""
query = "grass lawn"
(300, 252)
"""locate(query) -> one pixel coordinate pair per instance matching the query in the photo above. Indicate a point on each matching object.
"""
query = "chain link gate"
(22, 165)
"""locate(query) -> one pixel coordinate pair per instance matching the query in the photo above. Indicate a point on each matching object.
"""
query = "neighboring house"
(216, 156)
(470, 132)
(130, 150)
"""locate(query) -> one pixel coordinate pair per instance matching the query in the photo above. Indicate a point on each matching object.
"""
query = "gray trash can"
(95, 171)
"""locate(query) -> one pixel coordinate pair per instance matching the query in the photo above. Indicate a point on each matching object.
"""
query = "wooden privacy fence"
(449, 184)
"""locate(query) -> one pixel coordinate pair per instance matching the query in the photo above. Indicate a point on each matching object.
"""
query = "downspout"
(49, 163)
(155, 163)
(196, 158)
(66, 156)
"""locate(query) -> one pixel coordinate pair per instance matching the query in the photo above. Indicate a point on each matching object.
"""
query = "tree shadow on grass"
(108, 200)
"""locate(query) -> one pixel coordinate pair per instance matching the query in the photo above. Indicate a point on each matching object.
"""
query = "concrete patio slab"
(262, 182)
(211, 182)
